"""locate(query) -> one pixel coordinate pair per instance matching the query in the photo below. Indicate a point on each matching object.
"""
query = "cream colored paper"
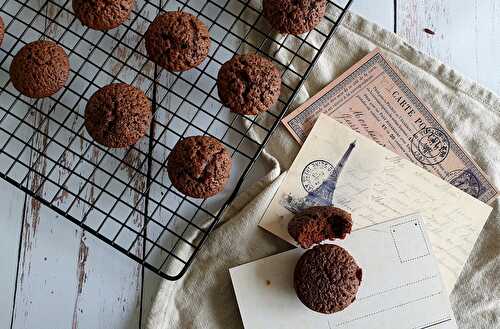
(373, 99)
(403, 289)
(453, 218)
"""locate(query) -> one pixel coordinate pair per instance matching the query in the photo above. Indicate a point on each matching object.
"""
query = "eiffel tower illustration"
(323, 194)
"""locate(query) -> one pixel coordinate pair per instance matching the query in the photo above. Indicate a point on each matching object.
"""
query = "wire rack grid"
(124, 197)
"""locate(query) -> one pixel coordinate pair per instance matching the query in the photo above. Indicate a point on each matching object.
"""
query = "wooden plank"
(68, 278)
(40, 293)
(11, 203)
(465, 34)
(382, 13)
(11, 199)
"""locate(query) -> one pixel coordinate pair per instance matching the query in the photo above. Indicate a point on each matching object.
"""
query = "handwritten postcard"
(373, 99)
(396, 187)
(401, 286)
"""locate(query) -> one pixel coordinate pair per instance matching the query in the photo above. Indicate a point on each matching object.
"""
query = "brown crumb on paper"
(268, 283)
(429, 31)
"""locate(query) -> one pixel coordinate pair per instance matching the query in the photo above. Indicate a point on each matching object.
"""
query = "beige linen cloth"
(204, 297)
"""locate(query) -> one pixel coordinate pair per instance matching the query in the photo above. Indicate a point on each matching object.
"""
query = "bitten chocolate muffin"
(2, 30)
(317, 224)
(177, 41)
(102, 14)
(294, 16)
(39, 69)
(199, 166)
(118, 115)
(249, 84)
(327, 279)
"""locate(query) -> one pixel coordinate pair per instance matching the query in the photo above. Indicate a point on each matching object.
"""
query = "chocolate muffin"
(199, 166)
(39, 69)
(249, 84)
(294, 16)
(327, 279)
(177, 41)
(102, 14)
(2, 30)
(317, 224)
(118, 115)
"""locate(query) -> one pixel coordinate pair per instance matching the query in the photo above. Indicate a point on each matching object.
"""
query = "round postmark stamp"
(315, 173)
(464, 180)
(430, 146)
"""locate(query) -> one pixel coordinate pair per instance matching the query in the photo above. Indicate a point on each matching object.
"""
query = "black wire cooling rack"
(124, 197)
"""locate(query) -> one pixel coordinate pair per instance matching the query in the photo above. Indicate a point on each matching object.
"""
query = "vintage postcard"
(373, 99)
(401, 286)
(396, 187)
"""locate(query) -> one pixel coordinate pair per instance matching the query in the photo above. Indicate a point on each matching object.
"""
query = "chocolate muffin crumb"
(327, 279)
(317, 224)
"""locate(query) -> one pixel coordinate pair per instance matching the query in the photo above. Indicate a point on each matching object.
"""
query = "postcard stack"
(383, 205)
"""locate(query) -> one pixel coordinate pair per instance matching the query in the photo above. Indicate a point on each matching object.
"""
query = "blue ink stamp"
(464, 180)
(430, 146)
(315, 173)
(319, 179)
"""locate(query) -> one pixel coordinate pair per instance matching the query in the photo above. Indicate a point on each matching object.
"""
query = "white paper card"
(401, 286)
(398, 187)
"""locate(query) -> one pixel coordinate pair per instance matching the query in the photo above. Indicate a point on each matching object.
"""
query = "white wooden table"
(53, 275)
